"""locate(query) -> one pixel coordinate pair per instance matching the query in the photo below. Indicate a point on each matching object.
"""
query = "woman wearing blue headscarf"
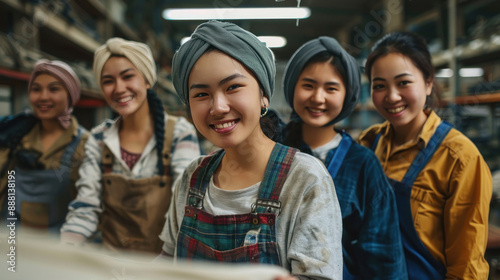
(253, 201)
(322, 85)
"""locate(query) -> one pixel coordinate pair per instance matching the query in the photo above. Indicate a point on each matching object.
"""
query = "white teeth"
(224, 125)
(124, 99)
(396, 110)
(315, 110)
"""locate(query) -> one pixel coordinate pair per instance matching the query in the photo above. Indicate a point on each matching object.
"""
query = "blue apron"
(335, 159)
(43, 195)
(421, 265)
(243, 238)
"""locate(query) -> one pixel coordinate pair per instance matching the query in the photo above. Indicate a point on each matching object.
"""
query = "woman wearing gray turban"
(254, 200)
(322, 85)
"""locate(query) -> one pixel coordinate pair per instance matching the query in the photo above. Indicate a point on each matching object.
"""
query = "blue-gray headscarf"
(299, 60)
(231, 40)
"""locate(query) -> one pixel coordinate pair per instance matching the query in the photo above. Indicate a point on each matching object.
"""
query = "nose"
(318, 96)
(120, 86)
(392, 94)
(220, 105)
(44, 94)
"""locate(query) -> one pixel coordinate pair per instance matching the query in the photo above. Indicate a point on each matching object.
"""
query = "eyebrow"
(121, 73)
(395, 77)
(221, 82)
(314, 81)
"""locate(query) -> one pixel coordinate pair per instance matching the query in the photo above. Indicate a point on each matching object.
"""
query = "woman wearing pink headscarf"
(40, 153)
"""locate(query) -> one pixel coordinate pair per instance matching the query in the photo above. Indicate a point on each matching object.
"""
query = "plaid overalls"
(249, 238)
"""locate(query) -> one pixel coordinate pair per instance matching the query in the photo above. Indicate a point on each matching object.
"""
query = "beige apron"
(134, 209)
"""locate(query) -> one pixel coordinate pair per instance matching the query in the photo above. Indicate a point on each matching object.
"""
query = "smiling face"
(225, 100)
(124, 87)
(319, 94)
(48, 97)
(399, 90)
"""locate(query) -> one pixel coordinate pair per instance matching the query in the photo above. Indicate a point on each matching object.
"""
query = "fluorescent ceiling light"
(271, 41)
(463, 72)
(471, 72)
(236, 13)
(444, 73)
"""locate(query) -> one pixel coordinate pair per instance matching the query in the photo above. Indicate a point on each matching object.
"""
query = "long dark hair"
(158, 113)
(412, 46)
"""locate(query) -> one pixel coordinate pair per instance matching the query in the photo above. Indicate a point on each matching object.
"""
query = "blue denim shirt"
(372, 246)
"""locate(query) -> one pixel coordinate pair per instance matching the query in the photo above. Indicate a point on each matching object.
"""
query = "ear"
(264, 101)
(428, 87)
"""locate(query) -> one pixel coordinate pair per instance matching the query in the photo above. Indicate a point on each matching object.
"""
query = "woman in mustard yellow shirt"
(442, 184)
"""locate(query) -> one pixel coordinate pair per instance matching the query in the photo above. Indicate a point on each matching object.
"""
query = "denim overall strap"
(421, 264)
(276, 171)
(426, 154)
(43, 195)
(201, 178)
(336, 156)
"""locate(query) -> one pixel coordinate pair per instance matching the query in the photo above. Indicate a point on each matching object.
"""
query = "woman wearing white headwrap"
(131, 162)
(40, 153)
(253, 201)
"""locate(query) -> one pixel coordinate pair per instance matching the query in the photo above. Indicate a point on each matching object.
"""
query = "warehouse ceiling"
(355, 23)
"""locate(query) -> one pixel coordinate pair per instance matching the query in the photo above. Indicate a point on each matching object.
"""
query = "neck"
(51, 126)
(244, 165)
(410, 131)
(139, 121)
(317, 136)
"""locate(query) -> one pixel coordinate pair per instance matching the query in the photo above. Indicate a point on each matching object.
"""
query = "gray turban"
(306, 52)
(231, 40)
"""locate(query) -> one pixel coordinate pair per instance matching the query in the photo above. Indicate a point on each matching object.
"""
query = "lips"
(224, 127)
(396, 110)
(44, 107)
(124, 99)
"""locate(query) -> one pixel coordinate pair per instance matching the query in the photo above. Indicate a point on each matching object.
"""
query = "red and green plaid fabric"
(221, 238)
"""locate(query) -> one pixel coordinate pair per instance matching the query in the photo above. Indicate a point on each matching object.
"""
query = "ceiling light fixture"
(236, 13)
(271, 41)
(463, 72)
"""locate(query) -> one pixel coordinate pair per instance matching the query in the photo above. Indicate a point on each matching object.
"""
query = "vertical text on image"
(11, 220)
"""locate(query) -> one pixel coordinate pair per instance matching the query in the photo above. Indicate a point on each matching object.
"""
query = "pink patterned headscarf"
(67, 76)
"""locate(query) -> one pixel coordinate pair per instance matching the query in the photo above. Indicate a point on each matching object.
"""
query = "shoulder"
(308, 171)
(460, 147)
(367, 137)
(99, 130)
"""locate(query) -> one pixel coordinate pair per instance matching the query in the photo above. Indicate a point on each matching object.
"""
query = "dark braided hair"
(158, 112)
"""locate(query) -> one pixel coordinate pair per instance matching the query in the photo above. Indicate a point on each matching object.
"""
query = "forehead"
(323, 69)
(116, 64)
(394, 63)
(45, 78)
(216, 64)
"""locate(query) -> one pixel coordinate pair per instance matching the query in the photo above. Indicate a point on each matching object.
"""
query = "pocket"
(426, 208)
(265, 252)
(35, 214)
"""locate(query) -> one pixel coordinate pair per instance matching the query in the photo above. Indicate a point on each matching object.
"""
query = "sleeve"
(185, 146)
(314, 248)
(84, 210)
(375, 243)
(466, 219)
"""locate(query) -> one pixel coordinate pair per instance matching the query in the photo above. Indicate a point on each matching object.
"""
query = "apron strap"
(167, 145)
(201, 178)
(426, 153)
(71, 148)
(274, 178)
(374, 145)
(336, 156)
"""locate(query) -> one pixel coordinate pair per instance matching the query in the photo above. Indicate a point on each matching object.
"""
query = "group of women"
(409, 199)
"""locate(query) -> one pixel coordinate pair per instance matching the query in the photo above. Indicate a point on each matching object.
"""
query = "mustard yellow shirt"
(450, 198)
